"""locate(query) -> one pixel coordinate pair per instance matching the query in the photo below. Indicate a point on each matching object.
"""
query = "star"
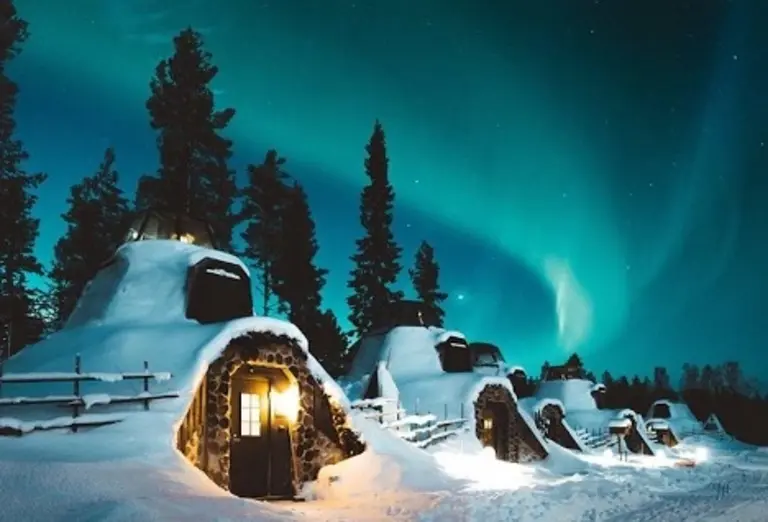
(460, 297)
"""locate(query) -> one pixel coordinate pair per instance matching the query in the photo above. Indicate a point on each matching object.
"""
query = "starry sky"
(592, 173)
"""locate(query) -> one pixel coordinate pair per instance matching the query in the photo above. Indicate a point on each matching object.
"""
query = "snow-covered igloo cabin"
(428, 370)
(578, 401)
(670, 421)
(239, 396)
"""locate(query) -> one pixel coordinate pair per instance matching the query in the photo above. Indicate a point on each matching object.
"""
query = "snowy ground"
(63, 477)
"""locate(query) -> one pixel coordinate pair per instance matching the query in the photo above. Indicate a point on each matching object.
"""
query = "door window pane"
(250, 415)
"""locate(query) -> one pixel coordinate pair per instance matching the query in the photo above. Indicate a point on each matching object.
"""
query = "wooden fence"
(77, 402)
(423, 429)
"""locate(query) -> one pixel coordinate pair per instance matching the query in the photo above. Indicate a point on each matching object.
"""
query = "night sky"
(593, 174)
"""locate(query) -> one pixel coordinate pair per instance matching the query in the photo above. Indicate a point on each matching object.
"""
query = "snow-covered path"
(40, 484)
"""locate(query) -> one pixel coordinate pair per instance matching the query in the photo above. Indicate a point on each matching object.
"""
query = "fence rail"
(420, 429)
(595, 438)
(77, 401)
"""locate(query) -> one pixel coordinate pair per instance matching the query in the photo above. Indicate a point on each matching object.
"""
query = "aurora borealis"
(591, 173)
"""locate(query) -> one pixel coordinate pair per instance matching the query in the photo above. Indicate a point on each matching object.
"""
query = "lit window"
(250, 415)
(487, 423)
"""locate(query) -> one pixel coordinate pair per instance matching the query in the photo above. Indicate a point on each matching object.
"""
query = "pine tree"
(377, 260)
(575, 362)
(96, 221)
(263, 200)
(193, 177)
(328, 343)
(297, 280)
(18, 229)
(424, 276)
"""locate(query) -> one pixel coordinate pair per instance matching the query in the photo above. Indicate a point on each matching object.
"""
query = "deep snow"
(58, 477)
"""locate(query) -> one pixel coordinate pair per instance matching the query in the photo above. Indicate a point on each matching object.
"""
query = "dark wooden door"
(250, 443)
(260, 459)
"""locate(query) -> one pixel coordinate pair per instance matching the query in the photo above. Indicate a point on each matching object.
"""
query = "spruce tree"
(193, 177)
(96, 220)
(297, 280)
(377, 260)
(328, 342)
(18, 229)
(263, 200)
(424, 276)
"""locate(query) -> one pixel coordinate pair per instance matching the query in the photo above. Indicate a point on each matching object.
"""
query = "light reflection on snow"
(483, 471)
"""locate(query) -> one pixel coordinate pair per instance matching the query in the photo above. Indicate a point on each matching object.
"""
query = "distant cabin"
(427, 370)
(563, 372)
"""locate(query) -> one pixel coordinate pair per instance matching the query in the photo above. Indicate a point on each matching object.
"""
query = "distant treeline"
(719, 389)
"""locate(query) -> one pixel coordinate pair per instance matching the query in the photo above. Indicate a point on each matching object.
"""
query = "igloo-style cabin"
(670, 421)
(579, 402)
(429, 370)
(169, 352)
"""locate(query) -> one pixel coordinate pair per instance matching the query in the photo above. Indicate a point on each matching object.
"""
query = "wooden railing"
(77, 402)
(595, 438)
(423, 430)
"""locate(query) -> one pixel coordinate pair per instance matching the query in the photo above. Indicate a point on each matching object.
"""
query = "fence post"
(146, 384)
(461, 410)
(399, 407)
(445, 411)
(76, 390)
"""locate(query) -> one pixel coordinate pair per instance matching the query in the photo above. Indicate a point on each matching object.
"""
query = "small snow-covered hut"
(672, 416)
(580, 400)
(430, 370)
(240, 396)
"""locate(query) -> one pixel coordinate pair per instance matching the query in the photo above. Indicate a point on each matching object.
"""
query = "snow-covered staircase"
(595, 439)
(421, 430)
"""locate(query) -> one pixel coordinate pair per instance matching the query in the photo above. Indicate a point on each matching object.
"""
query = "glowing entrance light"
(285, 403)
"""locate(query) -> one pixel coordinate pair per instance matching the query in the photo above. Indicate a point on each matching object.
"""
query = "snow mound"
(681, 420)
(407, 351)
(573, 394)
(132, 313)
(388, 465)
(145, 282)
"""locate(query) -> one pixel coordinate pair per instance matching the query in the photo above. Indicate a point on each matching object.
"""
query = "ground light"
(483, 471)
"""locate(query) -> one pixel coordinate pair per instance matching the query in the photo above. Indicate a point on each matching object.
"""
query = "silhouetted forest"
(193, 177)
(720, 389)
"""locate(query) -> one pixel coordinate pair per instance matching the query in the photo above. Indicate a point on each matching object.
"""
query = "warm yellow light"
(286, 403)
(487, 423)
(187, 238)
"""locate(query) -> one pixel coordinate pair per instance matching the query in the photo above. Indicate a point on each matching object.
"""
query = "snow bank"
(388, 465)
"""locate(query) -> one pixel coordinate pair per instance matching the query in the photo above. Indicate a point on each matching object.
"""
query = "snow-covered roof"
(512, 369)
(713, 423)
(412, 364)
(574, 394)
(145, 283)
(407, 351)
(136, 314)
(599, 387)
